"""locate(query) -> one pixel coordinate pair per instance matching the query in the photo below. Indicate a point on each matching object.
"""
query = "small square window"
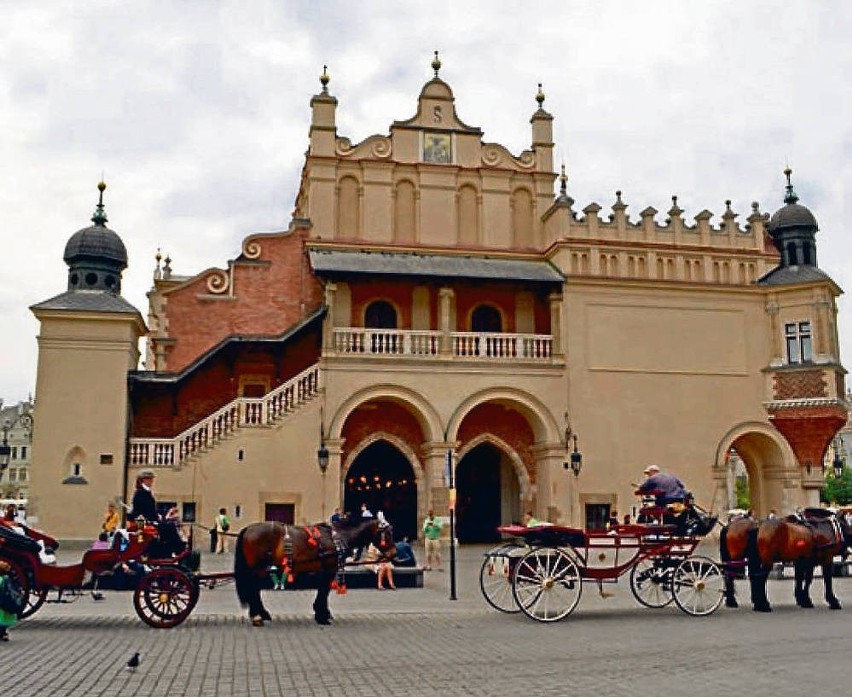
(106, 458)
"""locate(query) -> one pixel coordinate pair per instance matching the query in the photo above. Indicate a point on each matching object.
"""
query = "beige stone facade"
(433, 295)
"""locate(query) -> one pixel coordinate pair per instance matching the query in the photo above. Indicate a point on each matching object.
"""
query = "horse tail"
(243, 578)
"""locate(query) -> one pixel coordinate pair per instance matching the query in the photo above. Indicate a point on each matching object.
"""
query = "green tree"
(838, 491)
(741, 490)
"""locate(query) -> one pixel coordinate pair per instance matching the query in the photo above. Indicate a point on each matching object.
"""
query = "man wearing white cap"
(665, 487)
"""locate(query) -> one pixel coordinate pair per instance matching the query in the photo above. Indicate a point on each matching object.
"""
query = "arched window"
(792, 257)
(486, 318)
(380, 315)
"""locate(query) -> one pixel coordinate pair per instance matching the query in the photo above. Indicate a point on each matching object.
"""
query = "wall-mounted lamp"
(322, 453)
(575, 463)
(5, 450)
(837, 464)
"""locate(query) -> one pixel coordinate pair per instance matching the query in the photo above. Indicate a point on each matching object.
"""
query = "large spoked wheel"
(34, 598)
(651, 582)
(698, 586)
(165, 597)
(495, 577)
(547, 584)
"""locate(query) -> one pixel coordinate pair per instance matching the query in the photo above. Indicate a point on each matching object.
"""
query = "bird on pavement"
(133, 663)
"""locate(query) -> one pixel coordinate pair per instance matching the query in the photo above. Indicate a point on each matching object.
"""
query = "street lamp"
(322, 459)
(5, 450)
(837, 464)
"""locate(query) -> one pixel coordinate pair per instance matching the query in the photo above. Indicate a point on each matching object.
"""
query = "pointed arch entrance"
(382, 477)
(488, 493)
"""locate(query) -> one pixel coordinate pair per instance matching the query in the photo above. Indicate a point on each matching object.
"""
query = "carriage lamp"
(5, 450)
(837, 464)
(322, 458)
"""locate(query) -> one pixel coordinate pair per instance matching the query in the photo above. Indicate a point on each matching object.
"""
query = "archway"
(382, 477)
(488, 494)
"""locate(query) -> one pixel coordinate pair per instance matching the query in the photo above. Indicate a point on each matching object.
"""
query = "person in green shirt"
(7, 619)
(432, 535)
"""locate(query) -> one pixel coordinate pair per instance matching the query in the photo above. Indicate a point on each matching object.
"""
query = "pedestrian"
(8, 619)
(612, 522)
(335, 517)
(530, 520)
(773, 514)
(111, 519)
(222, 526)
(432, 538)
(365, 511)
(381, 567)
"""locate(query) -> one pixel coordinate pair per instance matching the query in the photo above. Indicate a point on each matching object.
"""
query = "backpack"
(12, 598)
(225, 524)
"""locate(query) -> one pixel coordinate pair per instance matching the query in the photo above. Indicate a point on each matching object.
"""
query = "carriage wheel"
(165, 597)
(495, 577)
(651, 582)
(547, 584)
(34, 598)
(698, 586)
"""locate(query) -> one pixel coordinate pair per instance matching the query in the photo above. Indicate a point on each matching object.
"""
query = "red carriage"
(164, 596)
(540, 571)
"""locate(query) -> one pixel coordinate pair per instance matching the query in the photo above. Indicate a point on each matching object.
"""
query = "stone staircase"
(243, 412)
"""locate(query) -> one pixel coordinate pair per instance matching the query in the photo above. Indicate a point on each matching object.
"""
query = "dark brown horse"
(316, 549)
(814, 539)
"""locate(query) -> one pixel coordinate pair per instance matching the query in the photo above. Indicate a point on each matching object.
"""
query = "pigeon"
(133, 663)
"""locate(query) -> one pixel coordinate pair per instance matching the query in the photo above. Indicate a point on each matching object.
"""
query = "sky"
(197, 116)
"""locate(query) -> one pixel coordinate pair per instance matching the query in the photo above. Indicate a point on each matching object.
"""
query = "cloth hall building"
(437, 298)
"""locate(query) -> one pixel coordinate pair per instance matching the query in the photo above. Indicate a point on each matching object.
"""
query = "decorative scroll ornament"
(494, 155)
(251, 249)
(218, 282)
(375, 146)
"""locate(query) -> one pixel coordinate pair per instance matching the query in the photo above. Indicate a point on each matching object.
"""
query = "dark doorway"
(486, 318)
(284, 513)
(597, 514)
(380, 315)
(478, 495)
(382, 477)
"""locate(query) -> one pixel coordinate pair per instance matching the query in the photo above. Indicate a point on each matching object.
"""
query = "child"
(7, 619)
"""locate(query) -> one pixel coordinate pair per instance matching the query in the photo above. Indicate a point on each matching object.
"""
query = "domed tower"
(807, 393)
(95, 255)
(792, 229)
(88, 341)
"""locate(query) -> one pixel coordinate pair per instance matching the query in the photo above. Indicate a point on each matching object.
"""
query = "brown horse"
(814, 539)
(318, 549)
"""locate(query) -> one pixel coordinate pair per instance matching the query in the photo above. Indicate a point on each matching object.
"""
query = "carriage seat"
(100, 561)
(18, 542)
(547, 535)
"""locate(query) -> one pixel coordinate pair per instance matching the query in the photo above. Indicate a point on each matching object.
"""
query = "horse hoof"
(256, 621)
(762, 608)
(266, 616)
(834, 606)
(325, 621)
(732, 603)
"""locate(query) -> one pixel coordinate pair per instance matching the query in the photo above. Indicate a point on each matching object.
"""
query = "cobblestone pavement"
(417, 642)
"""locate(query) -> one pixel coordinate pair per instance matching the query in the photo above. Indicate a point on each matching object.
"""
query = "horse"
(814, 539)
(320, 549)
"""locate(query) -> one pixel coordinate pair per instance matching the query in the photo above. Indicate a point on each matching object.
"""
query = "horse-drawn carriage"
(164, 594)
(540, 570)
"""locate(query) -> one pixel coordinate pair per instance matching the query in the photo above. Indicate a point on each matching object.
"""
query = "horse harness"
(814, 523)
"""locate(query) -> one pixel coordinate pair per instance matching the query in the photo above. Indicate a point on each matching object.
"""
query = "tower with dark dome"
(792, 229)
(88, 341)
(95, 255)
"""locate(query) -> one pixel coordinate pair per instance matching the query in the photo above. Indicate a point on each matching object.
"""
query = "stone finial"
(436, 64)
(790, 196)
(158, 274)
(675, 210)
(167, 268)
(563, 182)
(99, 217)
(325, 78)
(755, 208)
(539, 97)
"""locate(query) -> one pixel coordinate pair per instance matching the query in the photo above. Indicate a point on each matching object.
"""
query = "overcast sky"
(197, 113)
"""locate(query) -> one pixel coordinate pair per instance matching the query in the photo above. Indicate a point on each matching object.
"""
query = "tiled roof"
(435, 265)
(790, 275)
(86, 300)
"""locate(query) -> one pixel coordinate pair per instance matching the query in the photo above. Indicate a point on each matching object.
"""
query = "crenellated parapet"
(675, 248)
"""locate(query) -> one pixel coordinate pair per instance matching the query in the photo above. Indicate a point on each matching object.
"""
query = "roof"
(790, 275)
(150, 376)
(331, 262)
(97, 242)
(87, 300)
(792, 215)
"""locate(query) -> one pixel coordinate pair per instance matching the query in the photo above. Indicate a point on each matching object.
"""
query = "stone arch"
(527, 487)
(76, 455)
(408, 453)
(769, 461)
(544, 426)
(420, 408)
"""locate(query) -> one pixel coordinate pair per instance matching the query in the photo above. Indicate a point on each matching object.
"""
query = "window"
(486, 318)
(188, 512)
(14, 452)
(23, 452)
(76, 469)
(798, 338)
(380, 315)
